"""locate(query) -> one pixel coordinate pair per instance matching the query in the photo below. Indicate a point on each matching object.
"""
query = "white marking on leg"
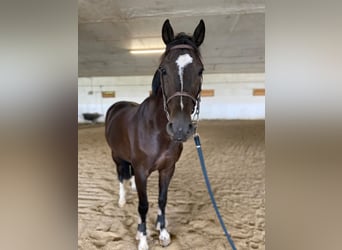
(141, 237)
(158, 223)
(182, 62)
(142, 242)
(122, 195)
(137, 237)
(133, 186)
(164, 238)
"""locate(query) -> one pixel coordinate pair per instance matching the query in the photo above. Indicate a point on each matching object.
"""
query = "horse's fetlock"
(142, 228)
(160, 223)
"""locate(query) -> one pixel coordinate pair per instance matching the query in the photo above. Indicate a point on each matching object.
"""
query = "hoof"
(143, 246)
(164, 238)
(142, 241)
(122, 202)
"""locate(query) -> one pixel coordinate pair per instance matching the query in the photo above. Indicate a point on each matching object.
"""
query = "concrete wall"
(233, 95)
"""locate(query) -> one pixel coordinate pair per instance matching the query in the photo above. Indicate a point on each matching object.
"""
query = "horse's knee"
(162, 202)
(143, 206)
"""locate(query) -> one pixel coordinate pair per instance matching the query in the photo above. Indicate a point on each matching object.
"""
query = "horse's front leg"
(141, 182)
(165, 176)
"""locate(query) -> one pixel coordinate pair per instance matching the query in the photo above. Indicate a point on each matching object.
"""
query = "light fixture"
(146, 51)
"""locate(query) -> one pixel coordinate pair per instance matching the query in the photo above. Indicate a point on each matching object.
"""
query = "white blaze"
(182, 62)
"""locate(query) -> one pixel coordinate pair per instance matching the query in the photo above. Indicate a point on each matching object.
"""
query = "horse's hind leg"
(124, 172)
(122, 194)
(132, 180)
(165, 176)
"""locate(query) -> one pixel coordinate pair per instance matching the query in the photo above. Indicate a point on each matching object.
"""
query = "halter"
(166, 99)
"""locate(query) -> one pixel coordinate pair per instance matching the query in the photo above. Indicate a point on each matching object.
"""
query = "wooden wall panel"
(108, 94)
(208, 92)
(259, 92)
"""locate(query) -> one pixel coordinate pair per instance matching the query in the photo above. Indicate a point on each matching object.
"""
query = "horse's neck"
(158, 106)
(153, 110)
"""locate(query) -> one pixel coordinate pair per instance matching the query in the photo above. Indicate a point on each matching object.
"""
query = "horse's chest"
(168, 157)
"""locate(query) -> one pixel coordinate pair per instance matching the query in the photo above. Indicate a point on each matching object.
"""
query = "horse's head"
(180, 78)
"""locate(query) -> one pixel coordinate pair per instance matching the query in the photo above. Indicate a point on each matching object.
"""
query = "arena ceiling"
(109, 29)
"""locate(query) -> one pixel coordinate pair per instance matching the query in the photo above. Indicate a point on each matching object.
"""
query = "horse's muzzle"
(180, 131)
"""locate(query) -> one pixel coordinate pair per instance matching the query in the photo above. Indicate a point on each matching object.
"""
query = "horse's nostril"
(190, 128)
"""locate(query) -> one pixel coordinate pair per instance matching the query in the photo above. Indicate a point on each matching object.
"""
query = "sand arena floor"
(234, 152)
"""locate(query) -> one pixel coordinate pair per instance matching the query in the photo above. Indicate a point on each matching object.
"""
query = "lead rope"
(207, 182)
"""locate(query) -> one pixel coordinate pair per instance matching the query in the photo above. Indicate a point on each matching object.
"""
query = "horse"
(149, 137)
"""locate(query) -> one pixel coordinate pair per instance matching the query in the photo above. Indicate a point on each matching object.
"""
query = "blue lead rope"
(206, 178)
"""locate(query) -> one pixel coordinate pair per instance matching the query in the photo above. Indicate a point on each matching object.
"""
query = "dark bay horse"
(148, 137)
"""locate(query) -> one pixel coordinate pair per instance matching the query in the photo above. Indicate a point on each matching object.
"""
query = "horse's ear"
(199, 33)
(156, 82)
(167, 32)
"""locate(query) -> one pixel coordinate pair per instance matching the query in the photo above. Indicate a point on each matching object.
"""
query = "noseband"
(166, 99)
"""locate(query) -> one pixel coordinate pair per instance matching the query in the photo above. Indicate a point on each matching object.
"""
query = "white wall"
(233, 95)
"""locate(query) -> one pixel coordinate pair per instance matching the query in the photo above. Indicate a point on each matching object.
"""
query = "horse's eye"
(200, 72)
(163, 71)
